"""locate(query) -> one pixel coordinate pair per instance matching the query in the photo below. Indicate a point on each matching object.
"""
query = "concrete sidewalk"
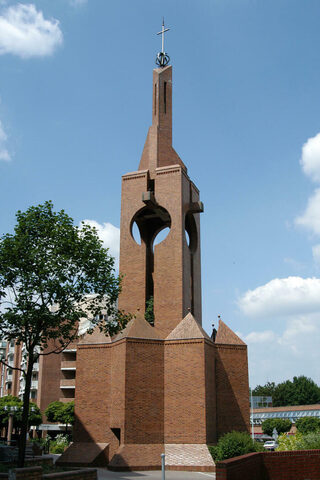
(104, 474)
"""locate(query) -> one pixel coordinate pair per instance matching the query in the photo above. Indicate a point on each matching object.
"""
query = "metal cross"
(163, 30)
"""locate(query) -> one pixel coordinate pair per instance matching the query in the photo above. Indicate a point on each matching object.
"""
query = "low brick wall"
(84, 474)
(247, 467)
(295, 465)
(35, 473)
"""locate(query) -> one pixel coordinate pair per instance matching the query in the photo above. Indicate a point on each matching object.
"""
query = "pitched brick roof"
(138, 327)
(188, 328)
(227, 336)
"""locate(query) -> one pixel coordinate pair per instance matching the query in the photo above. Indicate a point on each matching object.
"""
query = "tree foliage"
(300, 391)
(308, 424)
(52, 274)
(60, 412)
(35, 417)
(299, 441)
(149, 313)
(282, 425)
(234, 444)
(266, 390)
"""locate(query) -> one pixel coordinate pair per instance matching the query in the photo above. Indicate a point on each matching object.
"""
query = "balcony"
(34, 384)
(35, 367)
(67, 383)
(68, 365)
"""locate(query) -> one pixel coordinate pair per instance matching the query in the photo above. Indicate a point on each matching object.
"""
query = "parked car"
(270, 445)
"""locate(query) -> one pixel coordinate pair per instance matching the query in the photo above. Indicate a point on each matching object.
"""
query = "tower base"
(138, 457)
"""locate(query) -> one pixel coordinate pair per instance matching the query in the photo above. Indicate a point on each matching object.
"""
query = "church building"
(168, 387)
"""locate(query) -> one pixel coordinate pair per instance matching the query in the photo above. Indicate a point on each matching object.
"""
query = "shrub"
(234, 444)
(308, 424)
(289, 442)
(309, 441)
(282, 425)
(59, 444)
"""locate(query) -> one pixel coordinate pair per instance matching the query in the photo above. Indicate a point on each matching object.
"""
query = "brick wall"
(84, 474)
(27, 473)
(295, 465)
(210, 395)
(184, 389)
(248, 467)
(144, 392)
(35, 473)
(232, 386)
(92, 405)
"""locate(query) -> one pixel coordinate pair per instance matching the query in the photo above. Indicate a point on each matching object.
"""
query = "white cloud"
(110, 235)
(25, 32)
(310, 158)
(311, 217)
(4, 154)
(294, 351)
(260, 337)
(282, 297)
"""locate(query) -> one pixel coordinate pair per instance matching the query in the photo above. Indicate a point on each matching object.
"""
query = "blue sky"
(75, 106)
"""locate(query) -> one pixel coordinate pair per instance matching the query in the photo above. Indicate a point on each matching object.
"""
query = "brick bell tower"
(161, 195)
(167, 388)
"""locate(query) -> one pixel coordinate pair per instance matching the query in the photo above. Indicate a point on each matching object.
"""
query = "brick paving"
(188, 455)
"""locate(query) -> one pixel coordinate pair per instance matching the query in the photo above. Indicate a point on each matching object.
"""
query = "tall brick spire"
(158, 151)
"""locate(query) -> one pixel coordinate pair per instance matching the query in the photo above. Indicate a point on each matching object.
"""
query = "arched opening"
(192, 242)
(150, 225)
(162, 235)
(135, 232)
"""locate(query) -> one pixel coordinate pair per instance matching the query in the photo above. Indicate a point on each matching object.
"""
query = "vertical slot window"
(155, 99)
(165, 96)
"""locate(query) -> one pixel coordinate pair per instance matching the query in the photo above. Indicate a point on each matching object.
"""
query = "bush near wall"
(309, 441)
(234, 444)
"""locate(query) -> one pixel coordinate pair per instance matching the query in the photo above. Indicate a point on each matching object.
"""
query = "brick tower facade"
(167, 388)
(161, 195)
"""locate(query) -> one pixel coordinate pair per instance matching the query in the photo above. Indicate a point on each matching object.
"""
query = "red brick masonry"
(295, 465)
(35, 473)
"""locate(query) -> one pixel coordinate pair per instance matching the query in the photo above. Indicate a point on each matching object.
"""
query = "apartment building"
(53, 376)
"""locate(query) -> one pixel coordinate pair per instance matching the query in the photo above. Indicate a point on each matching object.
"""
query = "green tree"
(149, 313)
(9, 401)
(308, 424)
(6, 403)
(52, 274)
(300, 391)
(60, 412)
(282, 425)
(266, 390)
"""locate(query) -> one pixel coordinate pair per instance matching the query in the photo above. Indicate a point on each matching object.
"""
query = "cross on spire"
(162, 58)
(163, 30)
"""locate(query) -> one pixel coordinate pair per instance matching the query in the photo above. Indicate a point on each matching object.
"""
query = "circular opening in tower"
(150, 225)
(135, 232)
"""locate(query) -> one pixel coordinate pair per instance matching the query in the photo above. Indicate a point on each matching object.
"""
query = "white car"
(270, 445)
